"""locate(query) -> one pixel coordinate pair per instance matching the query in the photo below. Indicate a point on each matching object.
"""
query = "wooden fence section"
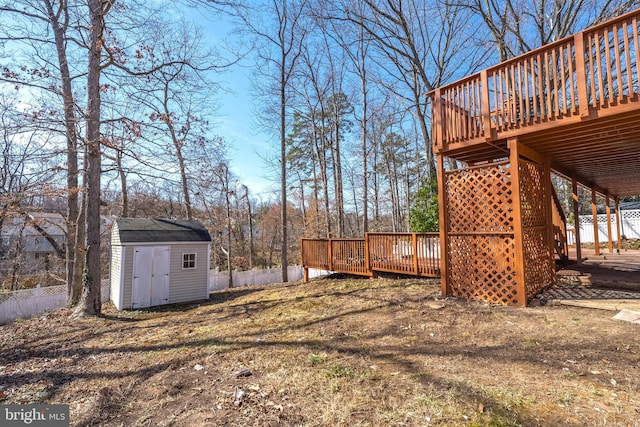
(591, 71)
(415, 254)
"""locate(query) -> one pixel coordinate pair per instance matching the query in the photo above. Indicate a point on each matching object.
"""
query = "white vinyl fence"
(629, 227)
(29, 302)
(220, 279)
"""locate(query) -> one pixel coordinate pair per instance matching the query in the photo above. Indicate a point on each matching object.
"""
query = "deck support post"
(514, 159)
(305, 275)
(618, 223)
(594, 213)
(610, 237)
(444, 227)
(576, 218)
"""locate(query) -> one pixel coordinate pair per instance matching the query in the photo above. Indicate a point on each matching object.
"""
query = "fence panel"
(629, 227)
(220, 279)
(25, 303)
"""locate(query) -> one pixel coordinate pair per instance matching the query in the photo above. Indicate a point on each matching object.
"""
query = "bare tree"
(310, 129)
(280, 33)
(177, 95)
(355, 42)
(91, 302)
(250, 221)
(422, 45)
(518, 27)
(29, 169)
(36, 23)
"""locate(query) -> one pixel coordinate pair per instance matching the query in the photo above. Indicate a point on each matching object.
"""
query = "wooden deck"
(571, 107)
(575, 100)
(415, 254)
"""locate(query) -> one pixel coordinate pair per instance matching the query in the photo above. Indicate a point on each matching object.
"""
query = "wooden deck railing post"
(576, 218)
(518, 237)
(581, 75)
(414, 242)
(367, 257)
(609, 236)
(486, 106)
(437, 120)
(330, 254)
(617, 202)
(594, 213)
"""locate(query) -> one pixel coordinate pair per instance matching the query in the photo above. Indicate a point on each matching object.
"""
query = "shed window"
(188, 261)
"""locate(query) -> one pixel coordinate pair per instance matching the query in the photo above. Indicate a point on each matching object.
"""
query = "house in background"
(35, 236)
(158, 261)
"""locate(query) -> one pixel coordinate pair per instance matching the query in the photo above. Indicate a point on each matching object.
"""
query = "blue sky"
(235, 122)
(236, 126)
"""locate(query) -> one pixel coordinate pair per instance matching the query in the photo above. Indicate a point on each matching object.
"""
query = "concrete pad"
(604, 304)
(628, 316)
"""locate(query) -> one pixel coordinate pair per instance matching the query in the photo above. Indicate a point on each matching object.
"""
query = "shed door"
(160, 276)
(150, 276)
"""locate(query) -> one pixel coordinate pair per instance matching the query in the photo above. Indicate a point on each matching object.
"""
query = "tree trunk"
(79, 256)
(90, 301)
(283, 164)
(250, 218)
(324, 174)
(178, 144)
(74, 288)
(365, 181)
(228, 206)
(376, 186)
(338, 178)
(123, 184)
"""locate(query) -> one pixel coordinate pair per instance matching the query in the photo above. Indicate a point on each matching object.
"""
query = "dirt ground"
(332, 352)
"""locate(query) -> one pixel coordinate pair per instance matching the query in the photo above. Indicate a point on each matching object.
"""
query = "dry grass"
(328, 353)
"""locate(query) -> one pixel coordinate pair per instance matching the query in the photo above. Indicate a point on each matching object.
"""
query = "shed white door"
(150, 276)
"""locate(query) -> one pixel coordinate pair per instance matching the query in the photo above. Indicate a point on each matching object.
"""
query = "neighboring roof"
(50, 223)
(161, 230)
(624, 206)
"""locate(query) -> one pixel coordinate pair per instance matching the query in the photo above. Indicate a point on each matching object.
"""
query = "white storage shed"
(158, 261)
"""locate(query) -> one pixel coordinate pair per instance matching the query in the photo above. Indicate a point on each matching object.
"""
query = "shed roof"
(161, 230)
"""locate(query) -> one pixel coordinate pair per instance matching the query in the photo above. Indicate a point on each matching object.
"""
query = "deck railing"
(416, 254)
(570, 79)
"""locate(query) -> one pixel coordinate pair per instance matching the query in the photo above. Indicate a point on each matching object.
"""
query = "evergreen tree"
(424, 214)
